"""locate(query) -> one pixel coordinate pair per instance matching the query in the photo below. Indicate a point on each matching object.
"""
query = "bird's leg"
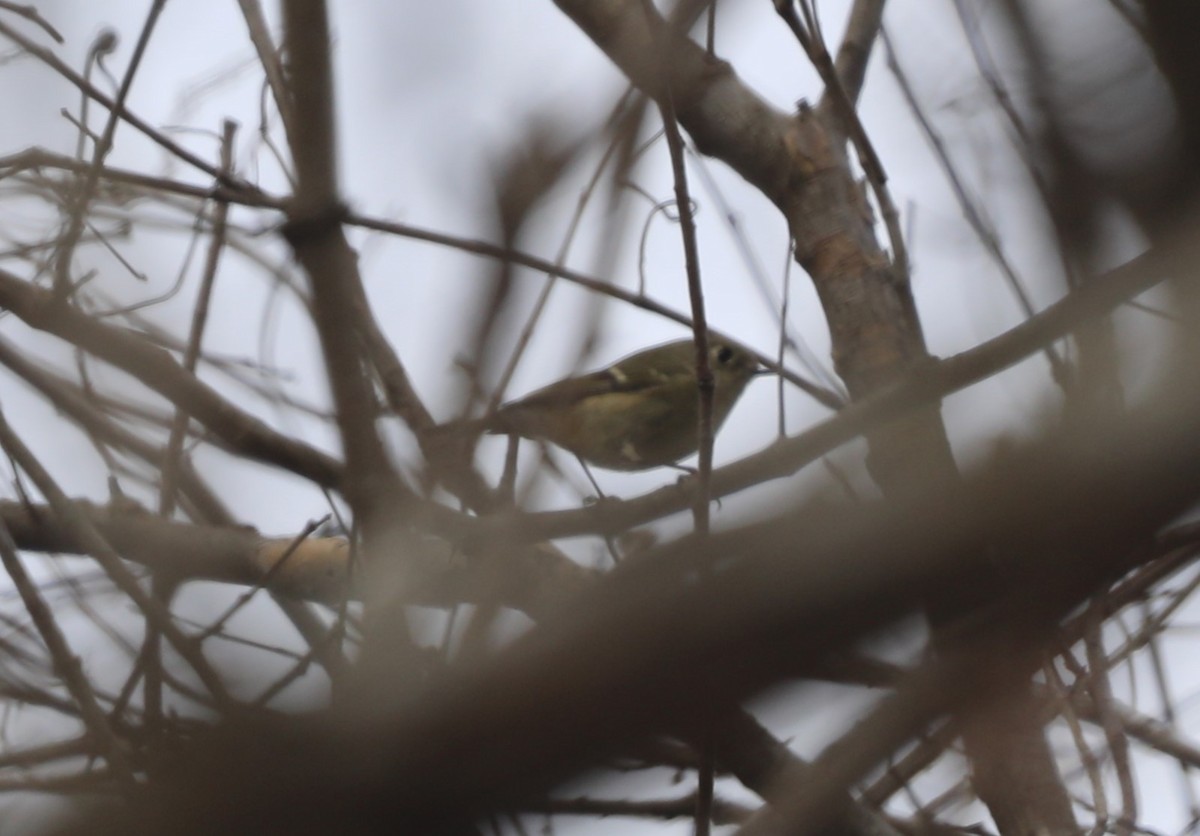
(613, 551)
(508, 478)
(587, 471)
(689, 473)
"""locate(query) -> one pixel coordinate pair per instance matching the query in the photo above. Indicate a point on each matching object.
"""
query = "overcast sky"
(430, 95)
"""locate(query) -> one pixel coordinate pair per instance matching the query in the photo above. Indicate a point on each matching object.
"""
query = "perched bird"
(641, 412)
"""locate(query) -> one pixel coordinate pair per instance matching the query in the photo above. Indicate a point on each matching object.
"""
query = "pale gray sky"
(429, 94)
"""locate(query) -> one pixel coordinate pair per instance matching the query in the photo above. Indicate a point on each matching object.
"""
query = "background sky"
(429, 97)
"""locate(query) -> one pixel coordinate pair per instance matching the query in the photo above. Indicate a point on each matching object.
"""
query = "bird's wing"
(575, 389)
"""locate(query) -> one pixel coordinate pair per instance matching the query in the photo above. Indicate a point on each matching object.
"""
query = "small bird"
(641, 412)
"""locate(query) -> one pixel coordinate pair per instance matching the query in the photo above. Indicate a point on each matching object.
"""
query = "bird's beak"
(761, 370)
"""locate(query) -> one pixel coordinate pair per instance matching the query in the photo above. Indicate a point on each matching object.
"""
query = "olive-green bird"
(641, 412)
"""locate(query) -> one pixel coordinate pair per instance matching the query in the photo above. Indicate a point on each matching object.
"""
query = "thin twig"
(539, 305)
(987, 236)
(268, 57)
(191, 353)
(930, 746)
(162, 586)
(272, 571)
(1118, 744)
(31, 14)
(77, 206)
(785, 296)
(705, 385)
(1087, 758)
(691, 255)
(1166, 698)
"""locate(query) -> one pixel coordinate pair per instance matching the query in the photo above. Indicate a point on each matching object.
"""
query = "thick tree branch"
(536, 580)
(314, 231)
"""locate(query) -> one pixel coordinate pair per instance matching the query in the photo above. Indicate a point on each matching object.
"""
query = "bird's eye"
(724, 354)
